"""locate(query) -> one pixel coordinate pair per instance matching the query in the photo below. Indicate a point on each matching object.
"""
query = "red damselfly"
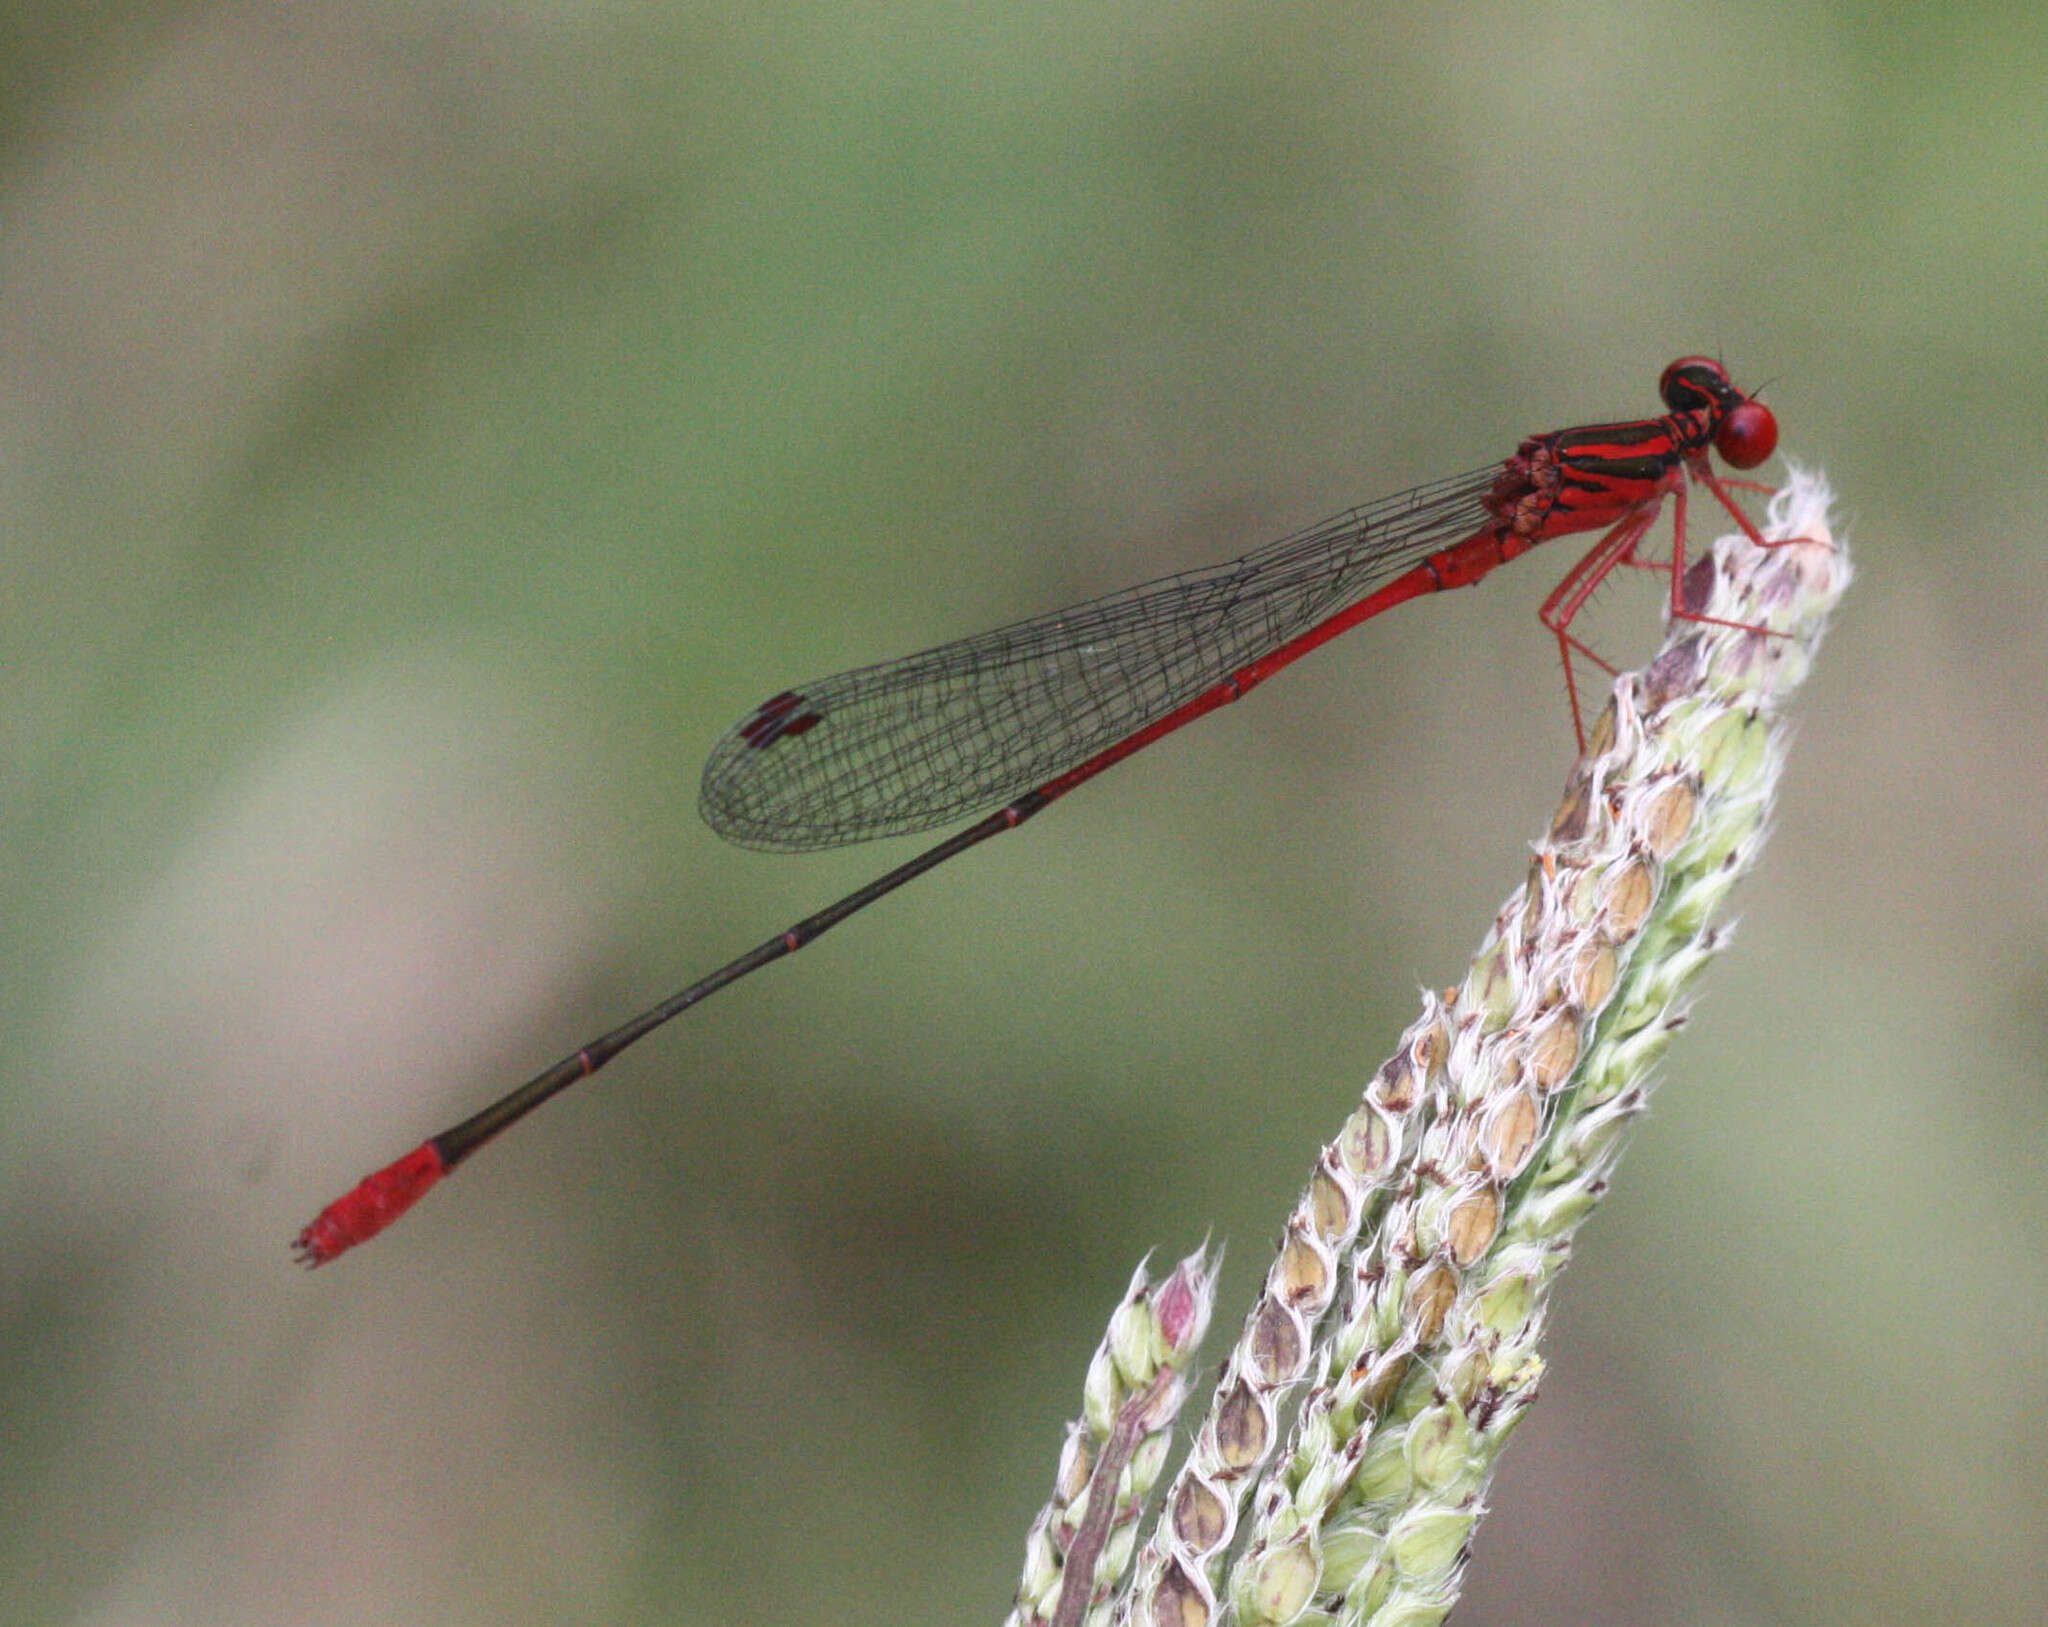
(1015, 719)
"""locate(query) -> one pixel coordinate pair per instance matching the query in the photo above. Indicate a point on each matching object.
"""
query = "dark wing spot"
(778, 719)
(769, 720)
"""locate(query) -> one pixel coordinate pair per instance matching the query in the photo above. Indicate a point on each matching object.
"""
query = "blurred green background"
(425, 428)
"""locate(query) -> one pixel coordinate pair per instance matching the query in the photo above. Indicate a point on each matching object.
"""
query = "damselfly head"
(1693, 382)
(1748, 430)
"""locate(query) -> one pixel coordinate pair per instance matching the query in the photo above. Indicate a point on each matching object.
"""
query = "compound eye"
(1692, 382)
(1747, 436)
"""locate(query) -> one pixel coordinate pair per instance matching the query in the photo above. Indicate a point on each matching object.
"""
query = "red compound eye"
(1747, 436)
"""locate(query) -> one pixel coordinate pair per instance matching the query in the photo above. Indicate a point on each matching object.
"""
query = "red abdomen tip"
(359, 1215)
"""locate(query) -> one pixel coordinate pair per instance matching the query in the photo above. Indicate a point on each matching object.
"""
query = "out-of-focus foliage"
(424, 428)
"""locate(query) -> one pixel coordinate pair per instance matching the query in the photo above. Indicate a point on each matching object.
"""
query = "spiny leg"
(1569, 597)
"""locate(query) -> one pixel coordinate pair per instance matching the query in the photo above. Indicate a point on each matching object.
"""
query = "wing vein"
(971, 725)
